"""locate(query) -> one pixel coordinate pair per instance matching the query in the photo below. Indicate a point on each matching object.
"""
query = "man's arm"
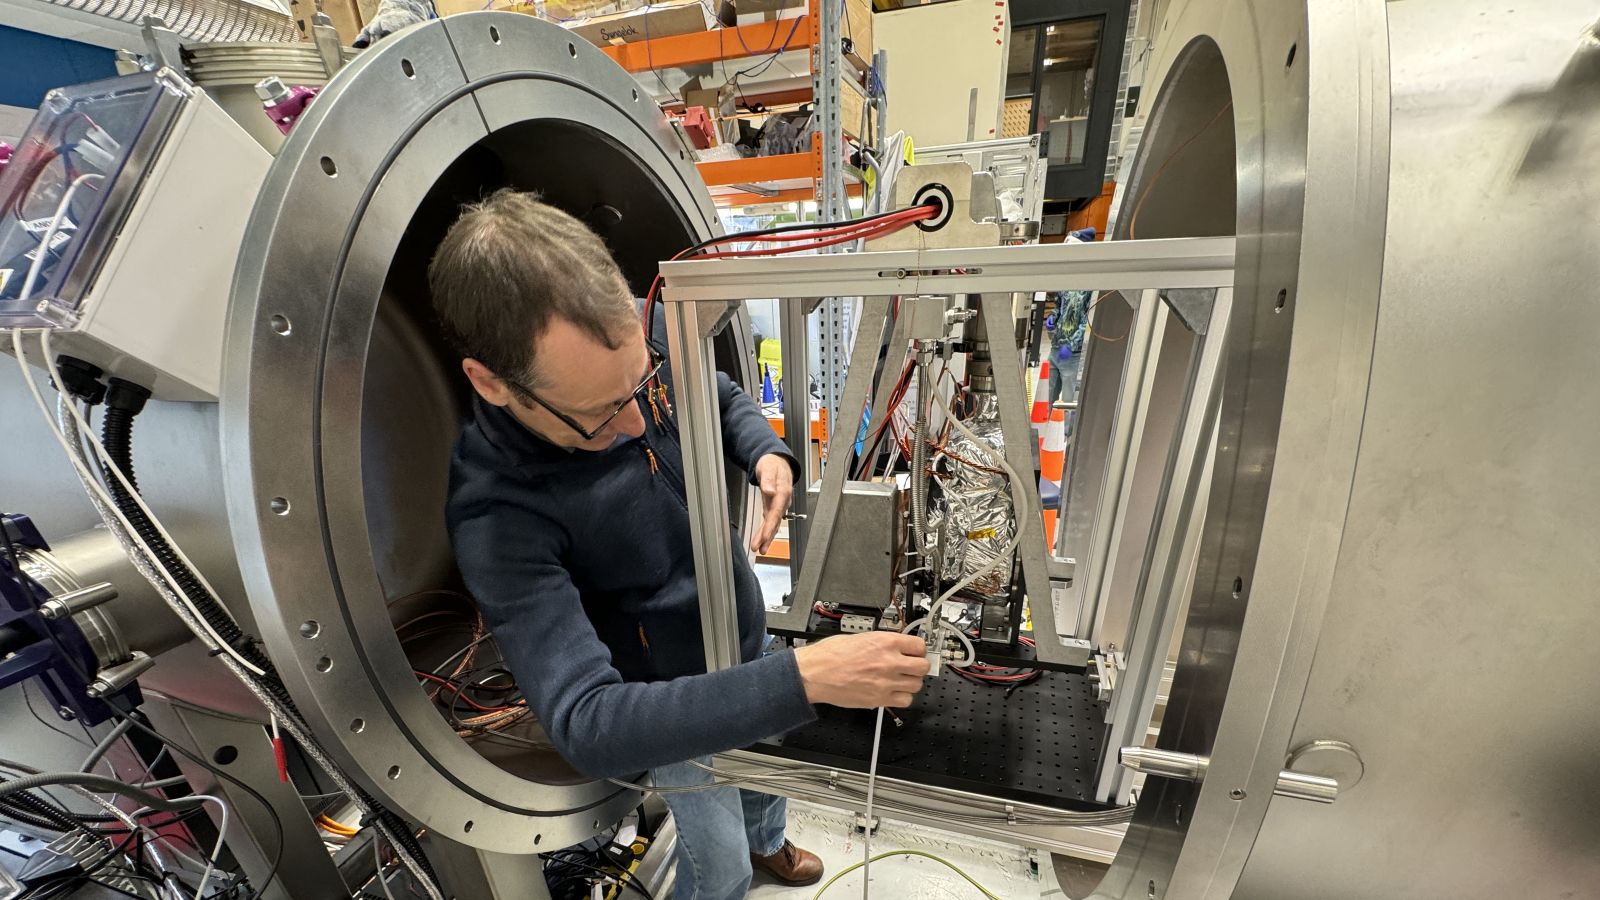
(750, 443)
(602, 725)
(746, 434)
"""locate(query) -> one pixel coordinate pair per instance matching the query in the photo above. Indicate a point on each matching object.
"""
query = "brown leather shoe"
(790, 865)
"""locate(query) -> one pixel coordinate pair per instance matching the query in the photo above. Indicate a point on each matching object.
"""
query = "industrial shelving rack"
(820, 173)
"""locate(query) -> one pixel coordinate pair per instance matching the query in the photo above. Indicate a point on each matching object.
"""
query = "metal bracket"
(712, 318)
(1193, 306)
(163, 44)
(328, 43)
(1105, 677)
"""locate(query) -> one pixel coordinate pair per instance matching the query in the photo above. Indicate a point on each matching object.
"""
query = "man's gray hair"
(509, 266)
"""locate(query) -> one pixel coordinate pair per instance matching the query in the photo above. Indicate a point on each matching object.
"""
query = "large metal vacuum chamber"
(1393, 577)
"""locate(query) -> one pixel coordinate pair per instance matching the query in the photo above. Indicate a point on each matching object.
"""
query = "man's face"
(579, 378)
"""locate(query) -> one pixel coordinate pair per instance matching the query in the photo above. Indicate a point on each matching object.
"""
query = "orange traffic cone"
(1053, 452)
(1041, 394)
(1052, 460)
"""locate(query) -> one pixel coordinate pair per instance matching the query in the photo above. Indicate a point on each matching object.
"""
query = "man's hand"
(777, 489)
(863, 671)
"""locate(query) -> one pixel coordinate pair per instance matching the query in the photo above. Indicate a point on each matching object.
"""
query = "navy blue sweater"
(582, 565)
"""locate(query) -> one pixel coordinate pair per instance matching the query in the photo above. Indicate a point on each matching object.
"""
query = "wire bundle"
(984, 673)
(143, 854)
(801, 238)
(159, 559)
(475, 699)
(572, 874)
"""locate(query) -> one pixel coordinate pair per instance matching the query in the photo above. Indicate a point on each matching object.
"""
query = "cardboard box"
(851, 108)
(756, 18)
(346, 16)
(661, 20)
(857, 27)
(768, 6)
(568, 10)
(451, 7)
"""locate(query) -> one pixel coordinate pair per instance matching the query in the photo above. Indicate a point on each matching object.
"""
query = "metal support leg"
(797, 427)
(305, 870)
(1011, 392)
(1170, 558)
(1090, 572)
(863, 356)
(694, 375)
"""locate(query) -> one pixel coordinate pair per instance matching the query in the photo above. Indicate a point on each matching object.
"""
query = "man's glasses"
(656, 362)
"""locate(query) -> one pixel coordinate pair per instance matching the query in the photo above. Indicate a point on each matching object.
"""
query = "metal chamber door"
(341, 403)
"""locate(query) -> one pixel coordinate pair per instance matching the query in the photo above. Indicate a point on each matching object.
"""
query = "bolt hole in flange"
(938, 196)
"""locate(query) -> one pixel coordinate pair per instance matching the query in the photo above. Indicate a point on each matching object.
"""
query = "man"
(1066, 326)
(568, 516)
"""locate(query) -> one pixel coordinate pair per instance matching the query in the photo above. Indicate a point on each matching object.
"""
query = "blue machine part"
(53, 651)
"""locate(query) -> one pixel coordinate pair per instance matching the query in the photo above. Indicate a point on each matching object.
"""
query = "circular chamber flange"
(340, 404)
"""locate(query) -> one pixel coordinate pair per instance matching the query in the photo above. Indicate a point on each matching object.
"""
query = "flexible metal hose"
(198, 20)
(919, 463)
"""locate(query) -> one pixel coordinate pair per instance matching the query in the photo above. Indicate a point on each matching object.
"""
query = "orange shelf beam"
(759, 169)
(793, 195)
(679, 50)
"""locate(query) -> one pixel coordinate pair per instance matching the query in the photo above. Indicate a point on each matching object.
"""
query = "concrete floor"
(1005, 870)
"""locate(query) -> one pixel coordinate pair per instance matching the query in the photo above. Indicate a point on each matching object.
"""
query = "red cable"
(914, 214)
(837, 235)
(879, 229)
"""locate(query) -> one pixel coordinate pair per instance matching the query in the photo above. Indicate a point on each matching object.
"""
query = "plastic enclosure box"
(142, 186)
(76, 171)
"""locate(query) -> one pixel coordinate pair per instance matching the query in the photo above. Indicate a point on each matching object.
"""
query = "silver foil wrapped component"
(976, 521)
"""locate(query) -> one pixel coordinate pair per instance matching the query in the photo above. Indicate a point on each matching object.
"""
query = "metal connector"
(851, 623)
(110, 680)
(66, 605)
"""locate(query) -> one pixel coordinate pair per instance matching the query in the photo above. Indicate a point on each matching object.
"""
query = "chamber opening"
(415, 399)
(1184, 184)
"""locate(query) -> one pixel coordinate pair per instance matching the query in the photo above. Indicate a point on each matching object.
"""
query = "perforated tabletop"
(1041, 744)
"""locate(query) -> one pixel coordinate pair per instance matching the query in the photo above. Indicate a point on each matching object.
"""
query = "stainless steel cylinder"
(1404, 486)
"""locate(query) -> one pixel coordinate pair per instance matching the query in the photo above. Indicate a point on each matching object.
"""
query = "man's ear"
(484, 381)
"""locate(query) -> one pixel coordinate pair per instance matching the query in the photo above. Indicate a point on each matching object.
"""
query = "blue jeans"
(718, 829)
(1064, 377)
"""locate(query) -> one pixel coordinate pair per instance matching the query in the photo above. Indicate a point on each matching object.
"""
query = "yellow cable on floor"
(945, 862)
